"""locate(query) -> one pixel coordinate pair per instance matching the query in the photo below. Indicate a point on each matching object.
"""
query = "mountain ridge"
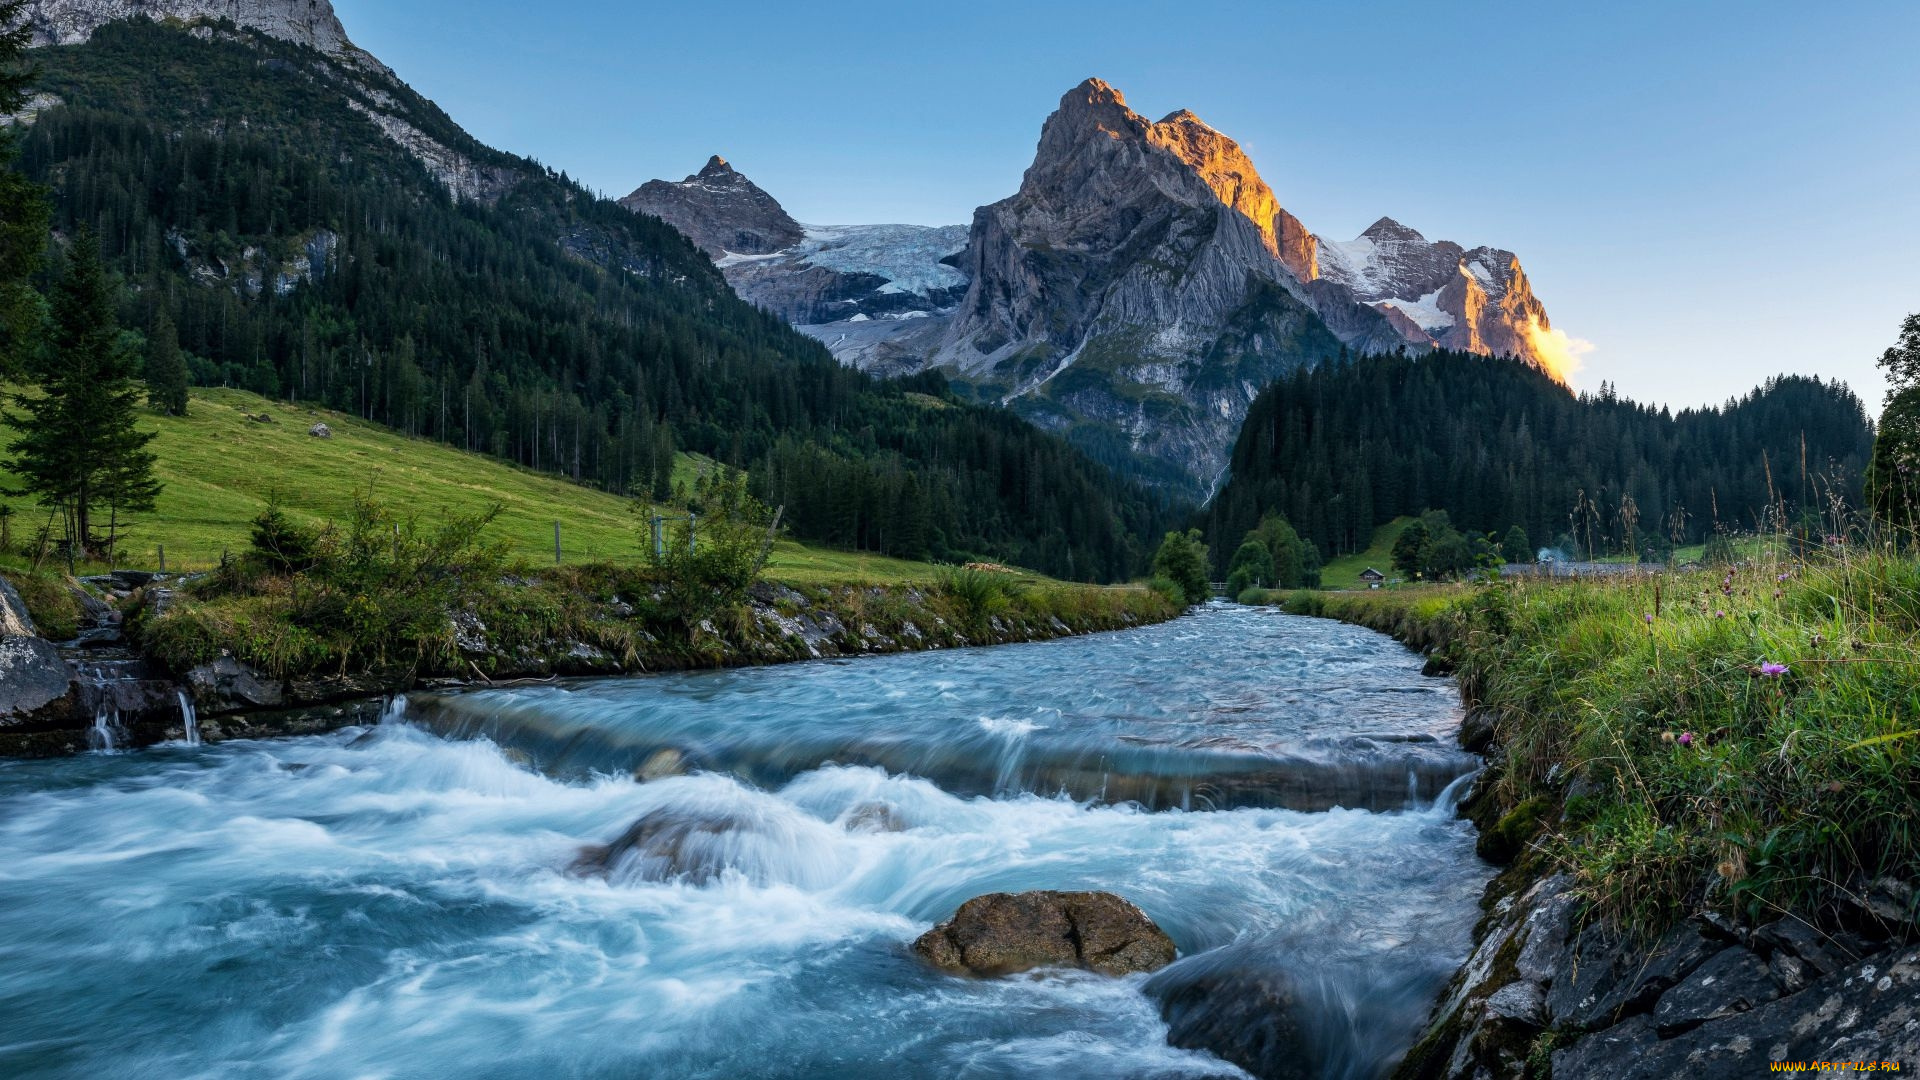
(1128, 252)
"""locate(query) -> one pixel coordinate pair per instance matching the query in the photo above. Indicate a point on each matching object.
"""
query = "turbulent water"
(409, 900)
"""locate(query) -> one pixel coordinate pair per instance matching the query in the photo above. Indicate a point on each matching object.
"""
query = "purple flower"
(1719, 614)
(1686, 738)
(1649, 618)
(1772, 670)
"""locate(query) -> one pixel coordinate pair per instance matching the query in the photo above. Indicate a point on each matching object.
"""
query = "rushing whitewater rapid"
(408, 900)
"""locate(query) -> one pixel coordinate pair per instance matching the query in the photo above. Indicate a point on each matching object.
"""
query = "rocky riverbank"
(112, 685)
(1569, 979)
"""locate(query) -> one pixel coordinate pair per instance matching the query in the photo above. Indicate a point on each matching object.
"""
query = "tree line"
(1342, 448)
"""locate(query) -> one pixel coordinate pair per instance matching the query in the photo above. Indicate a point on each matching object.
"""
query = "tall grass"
(1745, 738)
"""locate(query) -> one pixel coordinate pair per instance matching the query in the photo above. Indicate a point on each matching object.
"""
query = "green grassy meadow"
(220, 467)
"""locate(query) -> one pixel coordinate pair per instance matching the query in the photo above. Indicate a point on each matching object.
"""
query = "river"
(411, 900)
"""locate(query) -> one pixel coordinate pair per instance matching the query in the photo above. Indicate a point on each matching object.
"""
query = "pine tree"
(23, 209)
(78, 448)
(166, 369)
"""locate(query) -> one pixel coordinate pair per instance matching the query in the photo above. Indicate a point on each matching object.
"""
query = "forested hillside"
(1345, 447)
(245, 189)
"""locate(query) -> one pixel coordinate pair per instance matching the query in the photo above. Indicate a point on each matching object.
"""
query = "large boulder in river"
(1004, 933)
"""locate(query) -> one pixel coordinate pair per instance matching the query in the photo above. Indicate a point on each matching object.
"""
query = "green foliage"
(1745, 740)
(1169, 590)
(547, 327)
(1252, 567)
(77, 447)
(279, 545)
(1901, 362)
(1182, 559)
(378, 593)
(980, 594)
(1893, 479)
(1431, 549)
(166, 370)
(1516, 547)
(1719, 551)
(50, 603)
(1343, 448)
(709, 559)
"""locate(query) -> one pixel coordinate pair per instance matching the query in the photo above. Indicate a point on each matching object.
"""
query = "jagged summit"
(720, 210)
(1143, 283)
(1389, 229)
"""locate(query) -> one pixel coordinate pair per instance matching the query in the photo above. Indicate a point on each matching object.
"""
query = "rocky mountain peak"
(720, 210)
(303, 22)
(1387, 229)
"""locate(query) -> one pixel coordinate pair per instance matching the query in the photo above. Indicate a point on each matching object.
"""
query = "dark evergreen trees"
(1893, 477)
(1517, 547)
(1346, 447)
(166, 370)
(77, 446)
(23, 209)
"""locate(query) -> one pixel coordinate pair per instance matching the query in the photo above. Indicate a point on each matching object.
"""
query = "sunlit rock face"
(1137, 291)
(1476, 300)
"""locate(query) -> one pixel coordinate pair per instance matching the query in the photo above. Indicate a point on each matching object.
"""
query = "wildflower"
(1772, 670)
(1649, 617)
(1719, 614)
(1686, 738)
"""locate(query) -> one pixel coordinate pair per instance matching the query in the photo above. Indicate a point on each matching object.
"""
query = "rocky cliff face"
(1476, 300)
(304, 22)
(1137, 291)
(721, 211)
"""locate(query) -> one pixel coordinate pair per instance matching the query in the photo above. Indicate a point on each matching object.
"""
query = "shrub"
(979, 594)
(708, 560)
(1182, 559)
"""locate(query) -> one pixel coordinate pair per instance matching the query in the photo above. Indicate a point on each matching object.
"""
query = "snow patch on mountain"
(907, 257)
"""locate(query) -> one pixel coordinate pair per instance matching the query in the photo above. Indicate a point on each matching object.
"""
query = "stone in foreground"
(1007, 933)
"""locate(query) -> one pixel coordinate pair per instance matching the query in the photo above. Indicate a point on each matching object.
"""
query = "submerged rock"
(1006, 933)
(1242, 1008)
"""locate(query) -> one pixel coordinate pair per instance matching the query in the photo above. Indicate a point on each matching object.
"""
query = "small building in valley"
(1372, 578)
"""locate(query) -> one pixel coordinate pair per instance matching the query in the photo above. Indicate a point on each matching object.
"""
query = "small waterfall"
(108, 732)
(396, 709)
(189, 718)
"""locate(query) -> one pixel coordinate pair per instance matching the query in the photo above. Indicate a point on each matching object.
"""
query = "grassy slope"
(1344, 572)
(219, 468)
(1704, 778)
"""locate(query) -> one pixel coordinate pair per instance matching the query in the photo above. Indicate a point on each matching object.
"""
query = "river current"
(411, 900)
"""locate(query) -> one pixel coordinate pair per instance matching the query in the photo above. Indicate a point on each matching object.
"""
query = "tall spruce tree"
(23, 208)
(166, 368)
(78, 448)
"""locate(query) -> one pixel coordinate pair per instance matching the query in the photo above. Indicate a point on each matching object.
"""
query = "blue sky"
(1709, 193)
